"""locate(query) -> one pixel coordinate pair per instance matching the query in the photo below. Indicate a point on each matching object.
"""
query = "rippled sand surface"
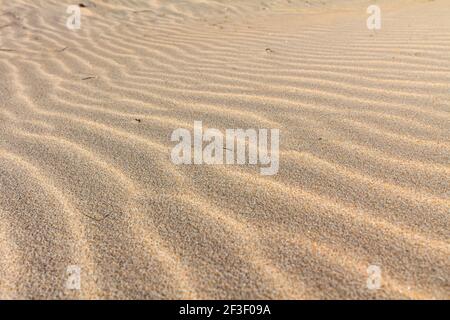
(86, 177)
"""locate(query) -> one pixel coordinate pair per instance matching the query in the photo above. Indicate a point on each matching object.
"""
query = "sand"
(86, 177)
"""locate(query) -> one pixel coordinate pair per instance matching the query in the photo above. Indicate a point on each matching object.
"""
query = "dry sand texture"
(364, 174)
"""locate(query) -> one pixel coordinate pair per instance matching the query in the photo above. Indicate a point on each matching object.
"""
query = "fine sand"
(86, 177)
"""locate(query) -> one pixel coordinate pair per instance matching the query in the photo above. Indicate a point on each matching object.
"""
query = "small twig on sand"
(96, 219)
(89, 77)
(86, 4)
(61, 50)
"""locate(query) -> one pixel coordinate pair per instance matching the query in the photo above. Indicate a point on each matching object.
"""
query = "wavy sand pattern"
(364, 157)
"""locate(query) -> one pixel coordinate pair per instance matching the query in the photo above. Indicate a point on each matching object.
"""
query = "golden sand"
(86, 177)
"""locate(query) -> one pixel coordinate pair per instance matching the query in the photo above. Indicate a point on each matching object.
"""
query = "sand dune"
(86, 177)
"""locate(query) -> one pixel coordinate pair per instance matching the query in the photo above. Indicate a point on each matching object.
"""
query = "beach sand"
(86, 177)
